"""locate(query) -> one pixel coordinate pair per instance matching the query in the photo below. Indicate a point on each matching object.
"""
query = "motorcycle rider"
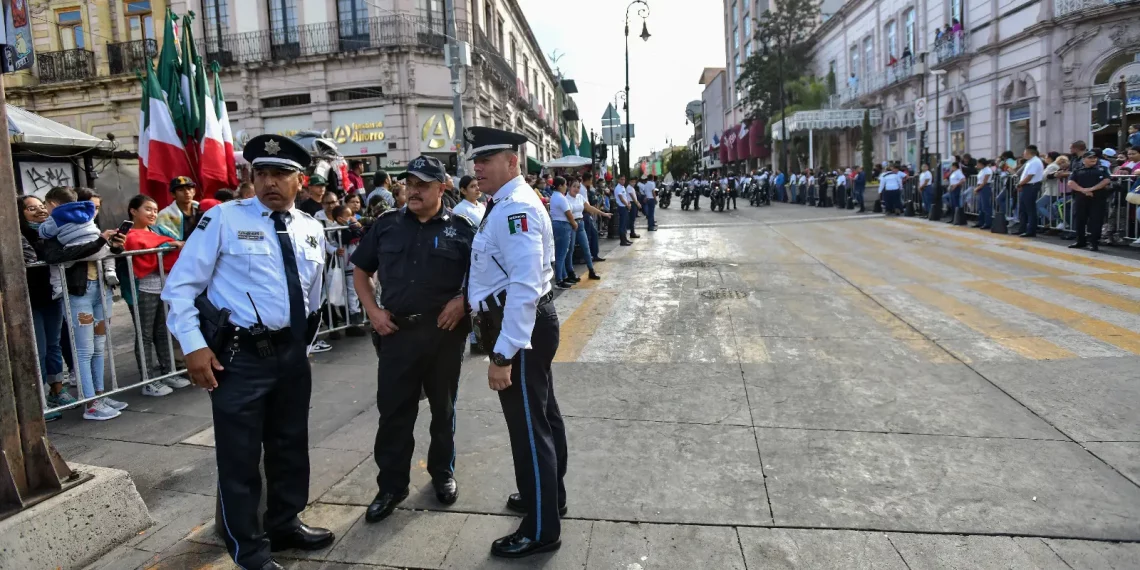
(698, 186)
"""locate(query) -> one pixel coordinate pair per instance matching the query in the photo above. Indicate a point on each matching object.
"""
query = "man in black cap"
(1089, 183)
(420, 253)
(243, 299)
(510, 286)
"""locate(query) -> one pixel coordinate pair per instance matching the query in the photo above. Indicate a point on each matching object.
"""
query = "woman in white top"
(469, 206)
(926, 184)
(984, 192)
(564, 226)
(579, 206)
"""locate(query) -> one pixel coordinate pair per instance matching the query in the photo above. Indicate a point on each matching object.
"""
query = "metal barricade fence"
(912, 202)
(348, 313)
(1122, 216)
(142, 348)
(970, 196)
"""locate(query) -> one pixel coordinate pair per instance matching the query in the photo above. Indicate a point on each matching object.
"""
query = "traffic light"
(601, 152)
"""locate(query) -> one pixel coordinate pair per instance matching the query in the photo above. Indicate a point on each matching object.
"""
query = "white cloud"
(687, 36)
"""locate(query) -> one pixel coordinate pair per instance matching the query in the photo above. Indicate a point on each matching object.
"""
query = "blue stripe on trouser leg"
(454, 397)
(533, 449)
(237, 547)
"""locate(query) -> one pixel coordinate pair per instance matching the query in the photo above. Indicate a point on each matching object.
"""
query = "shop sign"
(437, 130)
(359, 131)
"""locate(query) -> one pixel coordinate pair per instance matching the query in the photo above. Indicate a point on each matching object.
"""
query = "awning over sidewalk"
(28, 128)
(825, 120)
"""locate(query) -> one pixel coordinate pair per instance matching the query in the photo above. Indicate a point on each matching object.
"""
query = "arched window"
(892, 39)
(908, 20)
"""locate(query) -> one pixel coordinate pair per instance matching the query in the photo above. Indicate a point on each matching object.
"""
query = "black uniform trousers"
(413, 358)
(261, 402)
(1088, 214)
(538, 436)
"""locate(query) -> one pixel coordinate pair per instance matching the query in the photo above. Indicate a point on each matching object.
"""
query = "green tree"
(831, 82)
(681, 162)
(868, 142)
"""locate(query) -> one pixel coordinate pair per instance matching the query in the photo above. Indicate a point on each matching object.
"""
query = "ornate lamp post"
(643, 12)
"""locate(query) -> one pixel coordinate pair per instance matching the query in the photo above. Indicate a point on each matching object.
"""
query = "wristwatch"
(500, 360)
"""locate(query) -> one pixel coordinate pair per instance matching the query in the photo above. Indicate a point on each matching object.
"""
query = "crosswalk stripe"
(977, 249)
(1091, 293)
(1107, 332)
(967, 266)
(581, 325)
(1031, 347)
(852, 272)
(1121, 278)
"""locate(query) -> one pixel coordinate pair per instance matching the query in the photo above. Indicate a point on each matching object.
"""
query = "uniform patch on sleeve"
(517, 223)
(205, 222)
(254, 235)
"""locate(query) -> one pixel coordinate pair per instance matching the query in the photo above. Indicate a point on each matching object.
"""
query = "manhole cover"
(724, 294)
(695, 263)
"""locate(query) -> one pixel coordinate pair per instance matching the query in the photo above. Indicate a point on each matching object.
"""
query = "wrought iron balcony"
(327, 38)
(504, 72)
(951, 46)
(896, 73)
(66, 65)
(129, 57)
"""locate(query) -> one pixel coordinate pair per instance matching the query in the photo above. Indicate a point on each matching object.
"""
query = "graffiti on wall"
(39, 177)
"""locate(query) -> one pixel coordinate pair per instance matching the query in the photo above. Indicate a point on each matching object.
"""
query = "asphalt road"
(782, 387)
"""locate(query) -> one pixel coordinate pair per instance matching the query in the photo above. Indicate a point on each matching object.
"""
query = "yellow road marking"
(901, 331)
(958, 263)
(851, 271)
(1107, 332)
(1034, 348)
(580, 326)
(1091, 294)
(1129, 280)
(1008, 259)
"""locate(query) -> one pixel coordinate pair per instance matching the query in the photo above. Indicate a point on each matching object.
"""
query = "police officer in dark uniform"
(420, 254)
(243, 299)
(1089, 184)
(510, 285)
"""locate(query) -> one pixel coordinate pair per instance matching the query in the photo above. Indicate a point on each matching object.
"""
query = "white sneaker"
(156, 389)
(69, 378)
(114, 404)
(176, 382)
(320, 346)
(99, 411)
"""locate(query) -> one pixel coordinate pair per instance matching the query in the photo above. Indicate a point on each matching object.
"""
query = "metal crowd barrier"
(145, 375)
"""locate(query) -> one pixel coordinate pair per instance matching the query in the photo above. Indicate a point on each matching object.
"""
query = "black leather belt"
(541, 300)
(412, 321)
(243, 340)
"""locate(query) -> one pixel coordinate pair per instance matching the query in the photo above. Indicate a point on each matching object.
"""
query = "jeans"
(956, 198)
(592, 234)
(793, 192)
(623, 221)
(1027, 208)
(562, 236)
(89, 332)
(859, 199)
(1045, 209)
(650, 207)
(580, 237)
(927, 197)
(985, 206)
(48, 320)
(892, 200)
(780, 192)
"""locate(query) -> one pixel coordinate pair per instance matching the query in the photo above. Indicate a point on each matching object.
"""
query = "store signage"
(16, 36)
(437, 130)
(359, 131)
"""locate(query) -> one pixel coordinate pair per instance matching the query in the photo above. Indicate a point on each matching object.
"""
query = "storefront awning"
(825, 120)
(533, 166)
(28, 128)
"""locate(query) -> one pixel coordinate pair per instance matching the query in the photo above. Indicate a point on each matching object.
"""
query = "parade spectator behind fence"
(985, 194)
(579, 208)
(355, 182)
(47, 312)
(349, 241)
(71, 239)
(1053, 188)
(564, 226)
(179, 218)
(353, 203)
(150, 324)
(380, 182)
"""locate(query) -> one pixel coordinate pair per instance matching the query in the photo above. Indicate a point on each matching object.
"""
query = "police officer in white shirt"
(1028, 189)
(623, 203)
(892, 185)
(257, 266)
(510, 287)
(649, 202)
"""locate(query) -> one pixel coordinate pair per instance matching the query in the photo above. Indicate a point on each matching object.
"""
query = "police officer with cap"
(420, 253)
(510, 287)
(243, 299)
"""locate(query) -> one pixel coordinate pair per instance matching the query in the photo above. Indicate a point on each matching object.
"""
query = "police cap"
(276, 151)
(485, 141)
(425, 168)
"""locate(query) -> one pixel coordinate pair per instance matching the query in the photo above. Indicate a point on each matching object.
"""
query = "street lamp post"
(643, 12)
(936, 207)
(617, 152)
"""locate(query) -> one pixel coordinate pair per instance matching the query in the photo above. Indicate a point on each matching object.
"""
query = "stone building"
(369, 72)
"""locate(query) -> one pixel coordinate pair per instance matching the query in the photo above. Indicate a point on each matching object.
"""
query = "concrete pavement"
(781, 387)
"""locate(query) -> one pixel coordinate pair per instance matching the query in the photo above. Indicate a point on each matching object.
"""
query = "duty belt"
(412, 321)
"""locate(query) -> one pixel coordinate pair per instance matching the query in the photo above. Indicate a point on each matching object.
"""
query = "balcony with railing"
(1065, 7)
(66, 65)
(951, 46)
(130, 57)
(504, 72)
(893, 74)
(327, 38)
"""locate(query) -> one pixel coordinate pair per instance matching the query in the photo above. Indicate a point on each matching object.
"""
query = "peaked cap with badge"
(276, 151)
(425, 168)
(485, 141)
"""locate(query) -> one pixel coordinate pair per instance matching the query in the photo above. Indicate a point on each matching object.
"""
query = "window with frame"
(500, 27)
(733, 13)
(854, 61)
(140, 23)
(526, 71)
(70, 22)
(352, 17)
(911, 146)
(432, 11)
(514, 51)
(868, 56)
(1017, 131)
(488, 18)
(283, 21)
(747, 51)
(892, 39)
(892, 146)
(748, 26)
(217, 23)
(957, 135)
(908, 20)
(956, 10)
(735, 40)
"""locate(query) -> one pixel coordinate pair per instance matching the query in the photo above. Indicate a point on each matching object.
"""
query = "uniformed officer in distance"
(261, 260)
(511, 281)
(421, 253)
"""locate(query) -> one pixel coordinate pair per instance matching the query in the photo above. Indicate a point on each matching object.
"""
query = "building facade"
(996, 75)
(369, 73)
(714, 99)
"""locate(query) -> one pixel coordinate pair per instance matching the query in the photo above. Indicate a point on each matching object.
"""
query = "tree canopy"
(779, 47)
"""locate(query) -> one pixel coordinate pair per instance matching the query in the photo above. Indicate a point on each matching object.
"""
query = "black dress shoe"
(633, 235)
(597, 259)
(447, 491)
(383, 505)
(518, 546)
(304, 537)
(272, 564)
(1026, 235)
(627, 243)
(1094, 247)
(1078, 245)
(594, 276)
(573, 279)
(515, 503)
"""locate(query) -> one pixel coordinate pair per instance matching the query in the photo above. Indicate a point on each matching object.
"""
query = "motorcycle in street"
(717, 198)
(665, 197)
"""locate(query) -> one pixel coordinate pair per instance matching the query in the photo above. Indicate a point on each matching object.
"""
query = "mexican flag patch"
(517, 223)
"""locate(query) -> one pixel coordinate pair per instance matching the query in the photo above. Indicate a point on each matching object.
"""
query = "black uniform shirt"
(420, 266)
(1086, 177)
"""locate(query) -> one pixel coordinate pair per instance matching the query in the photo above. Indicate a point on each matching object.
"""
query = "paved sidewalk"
(768, 388)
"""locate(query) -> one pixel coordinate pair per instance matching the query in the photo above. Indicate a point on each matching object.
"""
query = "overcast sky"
(687, 36)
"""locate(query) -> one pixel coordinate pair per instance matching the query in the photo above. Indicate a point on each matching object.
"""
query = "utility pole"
(455, 49)
(1123, 138)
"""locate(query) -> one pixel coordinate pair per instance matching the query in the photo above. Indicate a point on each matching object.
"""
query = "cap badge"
(272, 148)
(418, 163)
(449, 232)
(469, 136)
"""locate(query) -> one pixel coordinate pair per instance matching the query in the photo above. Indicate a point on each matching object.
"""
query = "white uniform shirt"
(985, 176)
(559, 205)
(1034, 170)
(577, 204)
(620, 194)
(892, 181)
(235, 251)
(956, 178)
(513, 251)
(473, 212)
(926, 178)
(647, 189)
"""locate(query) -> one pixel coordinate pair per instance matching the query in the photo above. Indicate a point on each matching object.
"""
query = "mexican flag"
(227, 132)
(585, 149)
(212, 165)
(192, 96)
(162, 155)
(170, 72)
